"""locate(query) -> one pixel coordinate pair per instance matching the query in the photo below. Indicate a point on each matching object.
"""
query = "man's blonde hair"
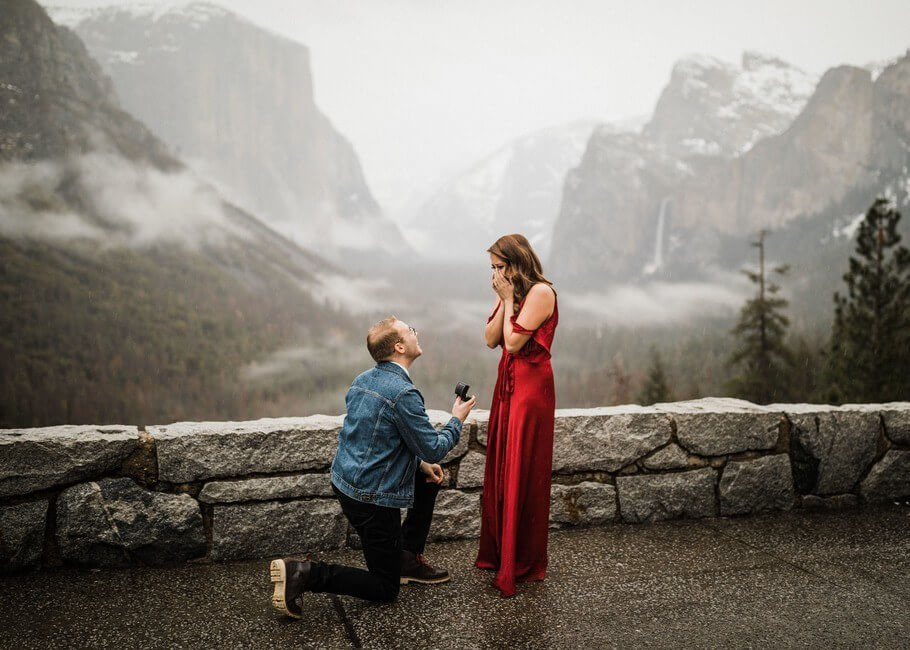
(382, 337)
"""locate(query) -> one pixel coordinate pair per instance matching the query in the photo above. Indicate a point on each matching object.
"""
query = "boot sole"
(425, 581)
(278, 574)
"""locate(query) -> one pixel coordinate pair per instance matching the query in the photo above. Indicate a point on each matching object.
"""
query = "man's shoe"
(415, 568)
(290, 577)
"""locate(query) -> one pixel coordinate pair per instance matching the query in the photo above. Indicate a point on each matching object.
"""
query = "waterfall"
(659, 243)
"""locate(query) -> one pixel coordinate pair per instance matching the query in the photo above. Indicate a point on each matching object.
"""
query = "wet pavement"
(799, 579)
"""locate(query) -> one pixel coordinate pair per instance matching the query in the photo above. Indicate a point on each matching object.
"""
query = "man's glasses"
(411, 330)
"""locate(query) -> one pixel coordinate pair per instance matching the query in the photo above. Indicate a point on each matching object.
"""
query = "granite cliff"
(236, 101)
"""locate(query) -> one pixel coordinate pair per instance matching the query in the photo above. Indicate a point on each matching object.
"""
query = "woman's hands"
(503, 287)
(433, 472)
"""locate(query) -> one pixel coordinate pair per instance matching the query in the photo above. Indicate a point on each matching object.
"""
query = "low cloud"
(356, 295)
(290, 364)
(658, 303)
(649, 305)
(121, 203)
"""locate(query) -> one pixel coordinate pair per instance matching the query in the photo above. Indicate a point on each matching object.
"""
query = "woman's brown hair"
(526, 269)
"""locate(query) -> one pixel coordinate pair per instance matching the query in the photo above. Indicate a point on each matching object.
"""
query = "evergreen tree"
(622, 382)
(655, 389)
(761, 354)
(869, 353)
(806, 379)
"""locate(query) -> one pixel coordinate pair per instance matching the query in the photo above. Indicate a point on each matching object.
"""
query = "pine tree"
(655, 389)
(762, 354)
(622, 392)
(869, 352)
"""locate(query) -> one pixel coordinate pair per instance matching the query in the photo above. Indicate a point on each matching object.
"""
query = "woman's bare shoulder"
(543, 291)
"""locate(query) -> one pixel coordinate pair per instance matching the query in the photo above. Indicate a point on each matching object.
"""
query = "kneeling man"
(385, 438)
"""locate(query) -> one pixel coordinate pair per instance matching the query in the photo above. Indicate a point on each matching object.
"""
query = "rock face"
(726, 154)
(470, 470)
(189, 451)
(605, 439)
(439, 420)
(35, 459)
(709, 112)
(716, 426)
(789, 174)
(653, 497)
(482, 419)
(237, 102)
(757, 485)
(711, 107)
(627, 467)
(457, 515)
(267, 489)
(607, 222)
(57, 99)
(839, 444)
(587, 504)
(889, 479)
(276, 528)
(670, 457)
(897, 425)
(114, 522)
(22, 536)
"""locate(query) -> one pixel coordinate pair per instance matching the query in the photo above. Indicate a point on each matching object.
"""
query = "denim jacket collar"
(388, 366)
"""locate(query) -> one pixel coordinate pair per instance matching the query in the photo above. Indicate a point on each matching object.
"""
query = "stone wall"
(117, 495)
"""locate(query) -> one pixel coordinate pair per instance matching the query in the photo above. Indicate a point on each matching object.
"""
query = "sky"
(425, 88)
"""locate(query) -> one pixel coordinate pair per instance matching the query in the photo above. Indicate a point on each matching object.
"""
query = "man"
(385, 434)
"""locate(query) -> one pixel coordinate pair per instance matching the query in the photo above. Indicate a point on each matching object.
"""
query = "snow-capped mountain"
(711, 107)
(517, 188)
(196, 13)
(236, 103)
(615, 215)
(711, 169)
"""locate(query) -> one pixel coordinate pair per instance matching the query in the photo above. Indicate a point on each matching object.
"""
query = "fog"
(127, 204)
(657, 304)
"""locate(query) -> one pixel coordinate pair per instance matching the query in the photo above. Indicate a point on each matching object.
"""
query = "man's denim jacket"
(385, 434)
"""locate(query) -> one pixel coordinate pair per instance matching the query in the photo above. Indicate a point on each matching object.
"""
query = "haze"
(424, 89)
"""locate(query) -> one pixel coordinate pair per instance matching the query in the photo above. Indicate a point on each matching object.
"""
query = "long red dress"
(515, 506)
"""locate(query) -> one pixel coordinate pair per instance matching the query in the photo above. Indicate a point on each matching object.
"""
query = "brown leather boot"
(415, 568)
(290, 577)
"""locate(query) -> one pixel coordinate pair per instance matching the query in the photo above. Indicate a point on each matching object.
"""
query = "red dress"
(515, 506)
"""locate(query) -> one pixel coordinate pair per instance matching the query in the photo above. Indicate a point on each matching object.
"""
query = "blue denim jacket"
(385, 434)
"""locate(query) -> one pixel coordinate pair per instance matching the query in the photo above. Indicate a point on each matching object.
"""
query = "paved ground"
(819, 580)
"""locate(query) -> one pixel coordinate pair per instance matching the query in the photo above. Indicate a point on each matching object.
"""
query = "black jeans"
(383, 537)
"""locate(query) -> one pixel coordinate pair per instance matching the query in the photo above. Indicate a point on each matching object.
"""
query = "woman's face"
(499, 264)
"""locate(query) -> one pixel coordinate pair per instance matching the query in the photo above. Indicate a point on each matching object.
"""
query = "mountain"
(616, 213)
(56, 98)
(851, 138)
(236, 103)
(517, 188)
(714, 108)
(130, 291)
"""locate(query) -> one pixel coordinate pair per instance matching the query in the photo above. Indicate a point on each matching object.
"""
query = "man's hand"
(461, 409)
(434, 472)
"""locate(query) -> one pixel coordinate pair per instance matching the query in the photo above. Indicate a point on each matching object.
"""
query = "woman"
(516, 484)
